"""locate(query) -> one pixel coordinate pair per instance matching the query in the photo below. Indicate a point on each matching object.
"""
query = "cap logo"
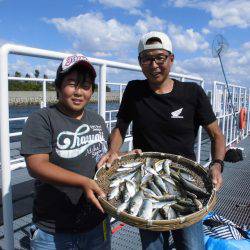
(70, 60)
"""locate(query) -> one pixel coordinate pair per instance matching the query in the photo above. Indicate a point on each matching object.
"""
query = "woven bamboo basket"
(196, 170)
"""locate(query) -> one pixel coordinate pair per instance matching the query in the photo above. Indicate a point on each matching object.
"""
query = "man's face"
(156, 65)
(72, 96)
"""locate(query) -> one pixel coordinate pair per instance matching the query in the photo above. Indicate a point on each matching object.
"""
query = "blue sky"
(111, 29)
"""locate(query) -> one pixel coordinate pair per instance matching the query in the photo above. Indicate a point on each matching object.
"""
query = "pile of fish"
(160, 190)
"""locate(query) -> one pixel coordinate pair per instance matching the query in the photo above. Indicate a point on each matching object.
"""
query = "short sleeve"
(204, 111)
(36, 136)
(104, 127)
(127, 107)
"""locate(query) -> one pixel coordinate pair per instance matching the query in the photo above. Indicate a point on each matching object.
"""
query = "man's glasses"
(147, 60)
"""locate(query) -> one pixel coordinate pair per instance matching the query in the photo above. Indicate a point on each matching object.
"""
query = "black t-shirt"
(75, 145)
(166, 122)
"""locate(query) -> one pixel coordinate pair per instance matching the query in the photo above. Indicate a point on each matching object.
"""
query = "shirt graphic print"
(86, 139)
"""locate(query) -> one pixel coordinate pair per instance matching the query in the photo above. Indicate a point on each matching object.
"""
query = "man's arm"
(218, 150)
(40, 167)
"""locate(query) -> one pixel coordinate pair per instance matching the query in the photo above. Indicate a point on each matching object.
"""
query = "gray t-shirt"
(75, 145)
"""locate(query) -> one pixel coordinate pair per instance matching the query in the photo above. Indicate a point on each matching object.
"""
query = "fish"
(183, 209)
(122, 174)
(187, 177)
(148, 192)
(158, 166)
(146, 211)
(114, 193)
(146, 178)
(122, 207)
(130, 190)
(131, 165)
(198, 204)
(154, 188)
(171, 214)
(135, 203)
(166, 166)
(116, 182)
(160, 184)
(193, 188)
(164, 211)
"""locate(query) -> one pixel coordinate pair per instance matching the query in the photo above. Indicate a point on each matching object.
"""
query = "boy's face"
(72, 96)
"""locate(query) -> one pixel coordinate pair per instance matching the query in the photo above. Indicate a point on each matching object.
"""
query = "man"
(166, 115)
(62, 145)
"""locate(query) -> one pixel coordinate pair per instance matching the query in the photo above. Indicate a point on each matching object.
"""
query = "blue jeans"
(189, 238)
(98, 238)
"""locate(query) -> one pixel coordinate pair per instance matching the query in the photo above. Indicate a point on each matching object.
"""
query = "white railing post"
(198, 158)
(102, 91)
(44, 94)
(5, 151)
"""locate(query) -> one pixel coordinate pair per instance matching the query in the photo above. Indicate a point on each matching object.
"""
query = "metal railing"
(7, 49)
(228, 116)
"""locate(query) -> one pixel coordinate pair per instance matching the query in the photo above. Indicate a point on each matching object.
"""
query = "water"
(25, 111)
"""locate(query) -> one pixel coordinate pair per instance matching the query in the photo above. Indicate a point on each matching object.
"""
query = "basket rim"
(159, 225)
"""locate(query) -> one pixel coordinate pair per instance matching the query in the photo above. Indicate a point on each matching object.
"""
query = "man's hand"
(215, 174)
(109, 158)
(92, 191)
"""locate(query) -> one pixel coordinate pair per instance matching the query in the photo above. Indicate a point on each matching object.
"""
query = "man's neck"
(163, 88)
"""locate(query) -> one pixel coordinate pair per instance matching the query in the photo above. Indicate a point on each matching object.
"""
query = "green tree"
(37, 73)
(18, 74)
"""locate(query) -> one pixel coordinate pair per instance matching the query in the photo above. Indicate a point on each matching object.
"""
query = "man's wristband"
(217, 161)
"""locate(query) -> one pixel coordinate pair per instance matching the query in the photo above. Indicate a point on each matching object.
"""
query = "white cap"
(165, 44)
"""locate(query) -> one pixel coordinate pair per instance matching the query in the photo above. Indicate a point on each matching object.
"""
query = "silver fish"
(123, 206)
(159, 182)
(148, 192)
(154, 188)
(160, 204)
(193, 188)
(150, 170)
(158, 166)
(146, 211)
(116, 182)
(171, 214)
(131, 165)
(135, 203)
(114, 193)
(187, 177)
(166, 166)
(198, 204)
(156, 215)
(130, 189)
(164, 211)
(146, 178)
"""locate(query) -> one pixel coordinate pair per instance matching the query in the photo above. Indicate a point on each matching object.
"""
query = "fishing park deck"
(233, 203)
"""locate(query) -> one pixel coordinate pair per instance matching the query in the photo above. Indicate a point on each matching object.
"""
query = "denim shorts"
(98, 238)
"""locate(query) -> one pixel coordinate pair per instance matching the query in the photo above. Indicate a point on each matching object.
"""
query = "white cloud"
(108, 36)
(224, 13)
(24, 66)
(124, 4)
(187, 40)
(91, 32)
(102, 54)
(236, 64)
(205, 31)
